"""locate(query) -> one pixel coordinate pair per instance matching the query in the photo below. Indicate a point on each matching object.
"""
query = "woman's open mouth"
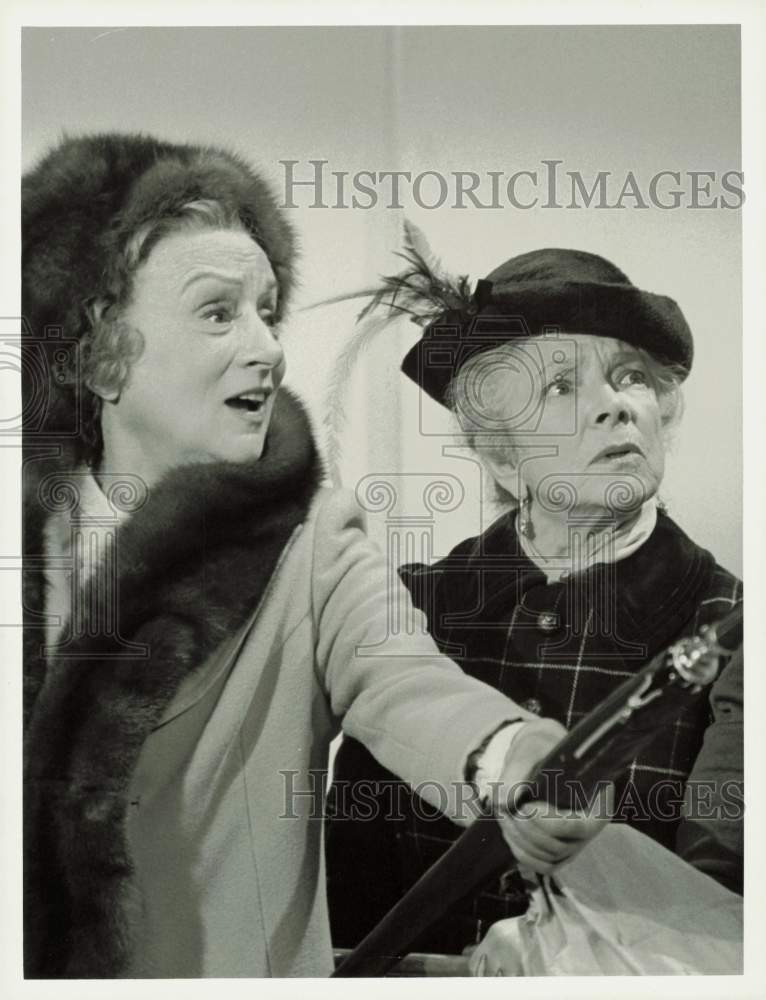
(251, 404)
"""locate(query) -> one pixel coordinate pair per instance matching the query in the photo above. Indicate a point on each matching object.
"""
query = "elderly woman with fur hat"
(565, 379)
(196, 604)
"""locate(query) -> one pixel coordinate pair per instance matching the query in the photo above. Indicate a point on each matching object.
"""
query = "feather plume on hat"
(422, 291)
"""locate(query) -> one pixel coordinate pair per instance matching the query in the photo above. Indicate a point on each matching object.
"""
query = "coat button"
(532, 705)
(547, 621)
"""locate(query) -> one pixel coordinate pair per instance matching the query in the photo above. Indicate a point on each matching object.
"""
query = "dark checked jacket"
(555, 648)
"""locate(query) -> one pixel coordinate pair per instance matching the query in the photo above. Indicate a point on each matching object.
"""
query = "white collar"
(609, 546)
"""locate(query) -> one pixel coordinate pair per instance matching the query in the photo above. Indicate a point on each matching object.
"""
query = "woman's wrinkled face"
(203, 388)
(585, 422)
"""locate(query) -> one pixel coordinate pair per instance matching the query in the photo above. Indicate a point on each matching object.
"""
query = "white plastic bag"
(627, 907)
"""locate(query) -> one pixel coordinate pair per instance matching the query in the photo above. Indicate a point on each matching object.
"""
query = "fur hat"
(547, 290)
(82, 204)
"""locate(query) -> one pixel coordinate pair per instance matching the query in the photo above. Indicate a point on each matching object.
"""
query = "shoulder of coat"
(336, 506)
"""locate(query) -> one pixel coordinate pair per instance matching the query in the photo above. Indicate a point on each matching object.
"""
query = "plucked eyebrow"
(631, 354)
(271, 289)
(230, 279)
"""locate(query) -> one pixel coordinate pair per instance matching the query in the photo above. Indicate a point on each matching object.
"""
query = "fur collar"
(191, 564)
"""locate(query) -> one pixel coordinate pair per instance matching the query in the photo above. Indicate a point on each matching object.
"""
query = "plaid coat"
(557, 649)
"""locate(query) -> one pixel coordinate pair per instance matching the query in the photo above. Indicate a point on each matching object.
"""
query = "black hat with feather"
(545, 291)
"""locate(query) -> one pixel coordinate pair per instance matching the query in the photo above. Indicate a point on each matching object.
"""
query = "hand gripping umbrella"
(596, 750)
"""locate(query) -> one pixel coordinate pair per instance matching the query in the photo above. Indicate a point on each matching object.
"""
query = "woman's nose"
(612, 407)
(261, 346)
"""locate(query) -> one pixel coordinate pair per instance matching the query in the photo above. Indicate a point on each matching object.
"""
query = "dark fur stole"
(191, 565)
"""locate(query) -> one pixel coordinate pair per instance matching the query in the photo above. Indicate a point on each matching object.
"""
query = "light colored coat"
(229, 869)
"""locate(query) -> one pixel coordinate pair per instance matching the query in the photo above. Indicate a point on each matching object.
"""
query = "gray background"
(438, 98)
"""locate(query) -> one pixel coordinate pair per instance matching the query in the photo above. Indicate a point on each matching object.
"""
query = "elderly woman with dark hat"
(195, 601)
(565, 378)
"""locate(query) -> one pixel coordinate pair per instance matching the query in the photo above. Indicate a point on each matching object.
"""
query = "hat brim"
(531, 309)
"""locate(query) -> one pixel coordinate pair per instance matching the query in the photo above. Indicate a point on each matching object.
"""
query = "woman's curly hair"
(110, 346)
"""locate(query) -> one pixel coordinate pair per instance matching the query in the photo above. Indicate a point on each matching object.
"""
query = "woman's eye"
(268, 316)
(218, 314)
(267, 310)
(634, 376)
(560, 386)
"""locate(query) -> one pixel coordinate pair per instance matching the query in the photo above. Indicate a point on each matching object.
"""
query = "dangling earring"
(661, 505)
(526, 527)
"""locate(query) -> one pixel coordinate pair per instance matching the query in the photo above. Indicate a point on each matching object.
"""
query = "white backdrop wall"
(619, 99)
